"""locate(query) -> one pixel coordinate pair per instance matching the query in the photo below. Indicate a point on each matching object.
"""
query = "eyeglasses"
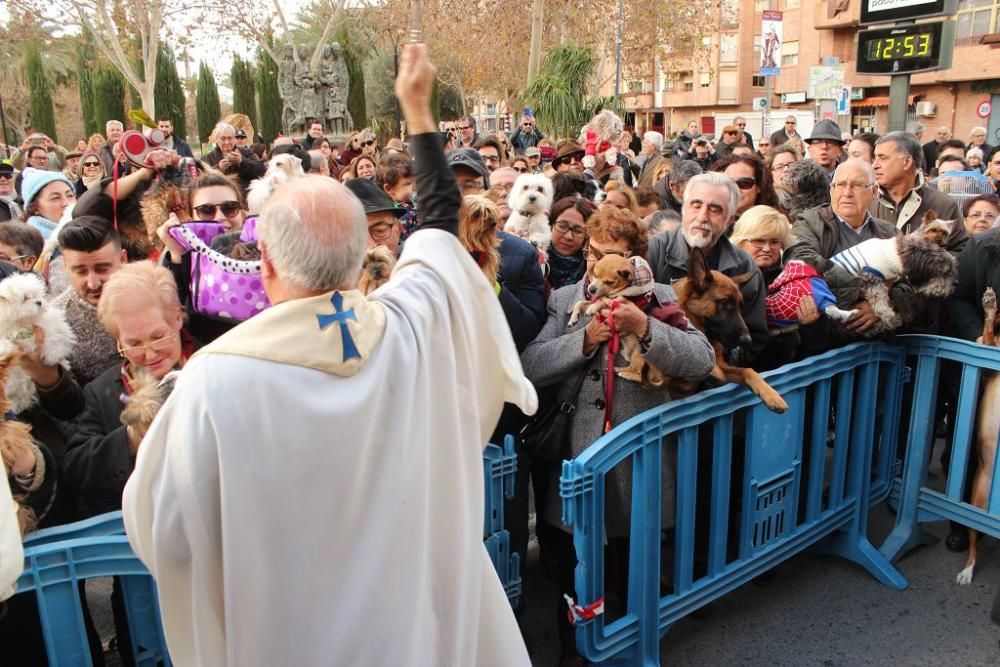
(596, 253)
(853, 185)
(5, 258)
(789, 122)
(520, 170)
(976, 215)
(528, 124)
(87, 165)
(381, 231)
(161, 345)
(229, 209)
(368, 143)
(464, 127)
(760, 243)
(565, 228)
(40, 158)
(745, 183)
(492, 159)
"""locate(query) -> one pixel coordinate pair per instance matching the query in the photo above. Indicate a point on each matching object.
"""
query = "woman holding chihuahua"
(564, 357)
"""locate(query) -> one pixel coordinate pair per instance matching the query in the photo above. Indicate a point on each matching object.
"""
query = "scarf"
(565, 270)
(43, 225)
(89, 183)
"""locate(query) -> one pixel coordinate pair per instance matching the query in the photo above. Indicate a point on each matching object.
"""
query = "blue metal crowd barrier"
(789, 498)
(499, 468)
(57, 559)
(917, 502)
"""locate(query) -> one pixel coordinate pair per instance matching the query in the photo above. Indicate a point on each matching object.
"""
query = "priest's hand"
(414, 84)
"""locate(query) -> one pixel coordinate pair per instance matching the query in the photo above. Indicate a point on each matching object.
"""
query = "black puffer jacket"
(978, 268)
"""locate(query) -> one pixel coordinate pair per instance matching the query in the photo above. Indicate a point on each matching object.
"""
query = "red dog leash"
(609, 381)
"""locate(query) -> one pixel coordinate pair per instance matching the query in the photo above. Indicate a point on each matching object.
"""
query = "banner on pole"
(770, 47)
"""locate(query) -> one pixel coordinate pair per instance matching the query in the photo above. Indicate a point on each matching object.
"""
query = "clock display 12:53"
(891, 48)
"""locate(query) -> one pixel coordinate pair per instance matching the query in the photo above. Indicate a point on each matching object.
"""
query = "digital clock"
(906, 49)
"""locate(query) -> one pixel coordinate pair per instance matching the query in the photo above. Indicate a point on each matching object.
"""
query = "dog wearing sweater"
(920, 257)
(617, 277)
(529, 201)
(23, 307)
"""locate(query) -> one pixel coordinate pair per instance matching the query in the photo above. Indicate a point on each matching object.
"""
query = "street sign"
(984, 109)
(905, 49)
(825, 82)
(793, 98)
(890, 11)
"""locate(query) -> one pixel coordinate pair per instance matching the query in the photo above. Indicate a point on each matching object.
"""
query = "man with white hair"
(977, 139)
(708, 210)
(650, 156)
(113, 131)
(229, 158)
(312, 491)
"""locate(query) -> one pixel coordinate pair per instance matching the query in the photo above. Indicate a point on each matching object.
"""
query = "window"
(688, 82)
(729, 48)
(793, 4)
(730, 13)
(728, 86)
(790, 53)
(758, 41)
(705, 79)
(759, 81)
(977, 17)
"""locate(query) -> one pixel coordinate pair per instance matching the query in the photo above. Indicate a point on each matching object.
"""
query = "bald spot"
(321, 206)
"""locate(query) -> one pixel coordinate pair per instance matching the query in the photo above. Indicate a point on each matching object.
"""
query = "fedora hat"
(566, 150)
(828, 130)
(373, 198)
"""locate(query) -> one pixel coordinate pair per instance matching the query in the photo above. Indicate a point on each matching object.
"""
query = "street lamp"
(395, 31)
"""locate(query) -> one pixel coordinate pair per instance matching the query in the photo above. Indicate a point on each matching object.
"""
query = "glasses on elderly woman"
(160, 345)
(761, 243)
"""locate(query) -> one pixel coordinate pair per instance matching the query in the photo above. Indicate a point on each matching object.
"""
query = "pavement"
(817, 610)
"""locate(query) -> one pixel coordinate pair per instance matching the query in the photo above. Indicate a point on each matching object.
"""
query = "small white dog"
(280, 168)
(22, 306)
(530, 200)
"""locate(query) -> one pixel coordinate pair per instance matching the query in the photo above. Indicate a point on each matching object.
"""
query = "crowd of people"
(99, 231)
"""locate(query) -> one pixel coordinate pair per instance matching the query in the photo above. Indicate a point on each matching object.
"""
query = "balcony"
(848, 18)
(728, 94)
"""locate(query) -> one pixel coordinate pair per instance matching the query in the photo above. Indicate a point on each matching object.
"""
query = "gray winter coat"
(668, 255)
(556, 357)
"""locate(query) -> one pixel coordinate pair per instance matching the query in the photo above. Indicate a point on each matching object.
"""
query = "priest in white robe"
(312, 491)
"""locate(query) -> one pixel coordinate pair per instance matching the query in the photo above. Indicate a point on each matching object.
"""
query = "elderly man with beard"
(708, 209)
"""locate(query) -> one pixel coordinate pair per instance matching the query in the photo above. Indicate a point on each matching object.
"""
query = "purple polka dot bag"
(221, 286)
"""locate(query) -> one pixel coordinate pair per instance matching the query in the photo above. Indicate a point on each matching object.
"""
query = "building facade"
(727, 82)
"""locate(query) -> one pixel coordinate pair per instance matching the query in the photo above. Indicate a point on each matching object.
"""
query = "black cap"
(240, 134)
(6, 167)
(373, 198)
(470, 159)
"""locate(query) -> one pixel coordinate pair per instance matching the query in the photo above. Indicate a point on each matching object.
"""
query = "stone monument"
(314, 95)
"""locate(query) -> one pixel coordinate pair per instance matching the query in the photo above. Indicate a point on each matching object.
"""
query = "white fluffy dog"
(530, 200)
(22, 306)
(280, 168)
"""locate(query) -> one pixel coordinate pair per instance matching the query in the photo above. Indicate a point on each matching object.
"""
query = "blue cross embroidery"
(340, 316)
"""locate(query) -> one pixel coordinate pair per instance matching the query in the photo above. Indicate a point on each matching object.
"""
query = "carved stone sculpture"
(319, 94)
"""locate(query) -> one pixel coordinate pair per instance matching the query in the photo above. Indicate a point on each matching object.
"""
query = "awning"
(878, 101)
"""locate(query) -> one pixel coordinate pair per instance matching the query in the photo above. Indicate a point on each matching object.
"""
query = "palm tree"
(558, 94)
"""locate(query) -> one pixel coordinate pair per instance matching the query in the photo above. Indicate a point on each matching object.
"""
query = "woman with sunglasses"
(352, 149)
(752, 178)
(568, 221)
(215, 198)
(368, 143)
(520, 165)
(90, 172)
(570, 364)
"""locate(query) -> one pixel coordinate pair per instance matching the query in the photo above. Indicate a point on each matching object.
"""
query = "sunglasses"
(520, 170)
(789, 122)
(729, 132)
(745, 183)
(228, 208)
(91, 164)
(6, 177)
(368, 143)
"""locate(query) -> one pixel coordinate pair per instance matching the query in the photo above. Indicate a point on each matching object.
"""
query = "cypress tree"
(354, 57)
(244, 97)
(85, 82)
(271, 105)
(43, 117)
(209, 110)
(108, 87)
(168, 94)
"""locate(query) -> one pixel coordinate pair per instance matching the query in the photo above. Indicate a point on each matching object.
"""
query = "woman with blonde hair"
(352, 149)
(621, 196)
(95, 142)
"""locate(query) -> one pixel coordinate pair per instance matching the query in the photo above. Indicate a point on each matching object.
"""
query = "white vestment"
(297, 510)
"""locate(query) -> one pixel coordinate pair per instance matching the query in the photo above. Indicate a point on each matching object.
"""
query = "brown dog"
(614, 277)
(376, 269)
(711, 300)
(988, 426)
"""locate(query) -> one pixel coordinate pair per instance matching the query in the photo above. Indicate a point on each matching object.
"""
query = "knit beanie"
(33, 180)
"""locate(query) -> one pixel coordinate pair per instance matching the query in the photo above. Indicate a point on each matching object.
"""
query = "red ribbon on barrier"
(576, 613)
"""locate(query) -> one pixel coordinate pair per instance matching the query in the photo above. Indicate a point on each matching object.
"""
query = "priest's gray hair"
(719, 181)
(315, 232)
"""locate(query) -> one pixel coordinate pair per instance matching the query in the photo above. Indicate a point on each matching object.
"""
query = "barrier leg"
(61, 601)
(859, 550)
(907, 533)
(142, 608)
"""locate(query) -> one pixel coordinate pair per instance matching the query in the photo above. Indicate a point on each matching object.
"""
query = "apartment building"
(727, 82)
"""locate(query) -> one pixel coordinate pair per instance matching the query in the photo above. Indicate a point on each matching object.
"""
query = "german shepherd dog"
(988, 425)
(711, 300)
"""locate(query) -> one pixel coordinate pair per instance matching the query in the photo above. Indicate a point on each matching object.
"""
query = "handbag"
(544, 436)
